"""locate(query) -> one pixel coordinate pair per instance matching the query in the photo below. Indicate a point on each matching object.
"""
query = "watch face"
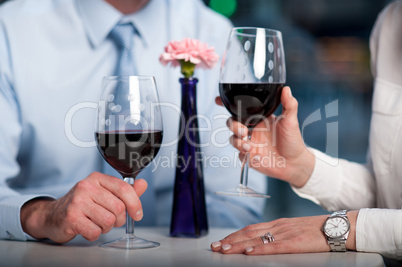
(336, 227)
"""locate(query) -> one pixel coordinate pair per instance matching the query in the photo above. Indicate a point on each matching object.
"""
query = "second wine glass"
(129, 135)
(252, 76)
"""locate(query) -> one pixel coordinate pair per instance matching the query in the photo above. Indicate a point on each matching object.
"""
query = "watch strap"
(338, 244)
(339, 213)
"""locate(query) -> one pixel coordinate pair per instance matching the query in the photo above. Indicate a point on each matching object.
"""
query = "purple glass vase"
(189, 214)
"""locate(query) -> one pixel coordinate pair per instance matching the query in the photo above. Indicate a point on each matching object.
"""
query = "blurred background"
(327, 59)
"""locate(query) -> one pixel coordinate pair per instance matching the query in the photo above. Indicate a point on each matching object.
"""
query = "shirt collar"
(99, 18)
(146, 20)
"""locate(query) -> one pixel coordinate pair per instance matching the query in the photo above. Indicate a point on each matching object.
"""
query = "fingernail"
(226, 247)
(249, 249)
(243, 132)
(246, 147)
(138, 215)
(290, 93)
(257, 159)
(216, 244)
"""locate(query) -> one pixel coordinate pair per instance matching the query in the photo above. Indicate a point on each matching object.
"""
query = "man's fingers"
(125, 192)
(88, 229)
(93, 206)
(112, 204)
(140, 186)
(115, 205)
(102, 217)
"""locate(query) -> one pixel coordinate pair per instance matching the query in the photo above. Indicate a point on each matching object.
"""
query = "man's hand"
(276, 148)
(93, 206)
(294, 235)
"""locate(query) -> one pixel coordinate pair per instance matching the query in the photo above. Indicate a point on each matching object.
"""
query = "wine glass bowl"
(129, 134)
(130, 151)
(250, 103)
(252, 76)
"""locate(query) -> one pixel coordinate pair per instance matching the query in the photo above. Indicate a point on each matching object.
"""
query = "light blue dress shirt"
(53, 56)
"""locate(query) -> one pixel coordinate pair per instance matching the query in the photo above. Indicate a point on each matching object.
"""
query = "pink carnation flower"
(189, 54)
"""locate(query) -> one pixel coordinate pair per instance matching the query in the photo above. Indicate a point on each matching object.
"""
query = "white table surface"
(189, 252)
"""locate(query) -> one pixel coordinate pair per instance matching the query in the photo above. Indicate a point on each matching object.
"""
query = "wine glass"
(251, 80)
(128, 135)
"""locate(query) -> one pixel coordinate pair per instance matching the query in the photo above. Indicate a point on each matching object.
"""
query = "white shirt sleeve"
(339, 184)
(380, 230)
(10, 134)
(348, 185)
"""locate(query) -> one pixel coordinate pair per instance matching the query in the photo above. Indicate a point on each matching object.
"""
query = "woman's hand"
(294, 235)
(276, 148)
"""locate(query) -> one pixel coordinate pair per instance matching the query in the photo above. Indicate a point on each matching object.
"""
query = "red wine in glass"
(250, 103)
(129, 151)
(252, 76)
(128, 134)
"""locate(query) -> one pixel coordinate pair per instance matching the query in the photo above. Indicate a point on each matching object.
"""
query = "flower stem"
(187, 68)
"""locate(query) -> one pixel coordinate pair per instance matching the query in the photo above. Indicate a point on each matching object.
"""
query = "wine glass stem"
(244, 171)
(129, 220)
(244, 167)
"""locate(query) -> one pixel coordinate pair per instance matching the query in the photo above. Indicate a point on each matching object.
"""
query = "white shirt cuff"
(324, 184)
(10, 221)
(380, 230)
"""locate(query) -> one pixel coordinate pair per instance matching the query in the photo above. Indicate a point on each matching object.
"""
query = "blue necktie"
(123, 36)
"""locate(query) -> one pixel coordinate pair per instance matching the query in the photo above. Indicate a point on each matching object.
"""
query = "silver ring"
(264, 239)
(270, 237)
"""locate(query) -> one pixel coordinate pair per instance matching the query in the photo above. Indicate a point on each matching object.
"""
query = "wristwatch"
(336, 229)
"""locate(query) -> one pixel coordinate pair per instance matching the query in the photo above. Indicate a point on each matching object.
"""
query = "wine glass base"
(130, 242)
(242, 191)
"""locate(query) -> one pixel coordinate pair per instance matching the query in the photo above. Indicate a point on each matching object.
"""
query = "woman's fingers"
(289, 103)
(276, 247)
(240, 247)
(248, 232)
(242, 156)
(239, 241)
(218, 101)
(240, 144)
(237, 128)
(294, 235)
